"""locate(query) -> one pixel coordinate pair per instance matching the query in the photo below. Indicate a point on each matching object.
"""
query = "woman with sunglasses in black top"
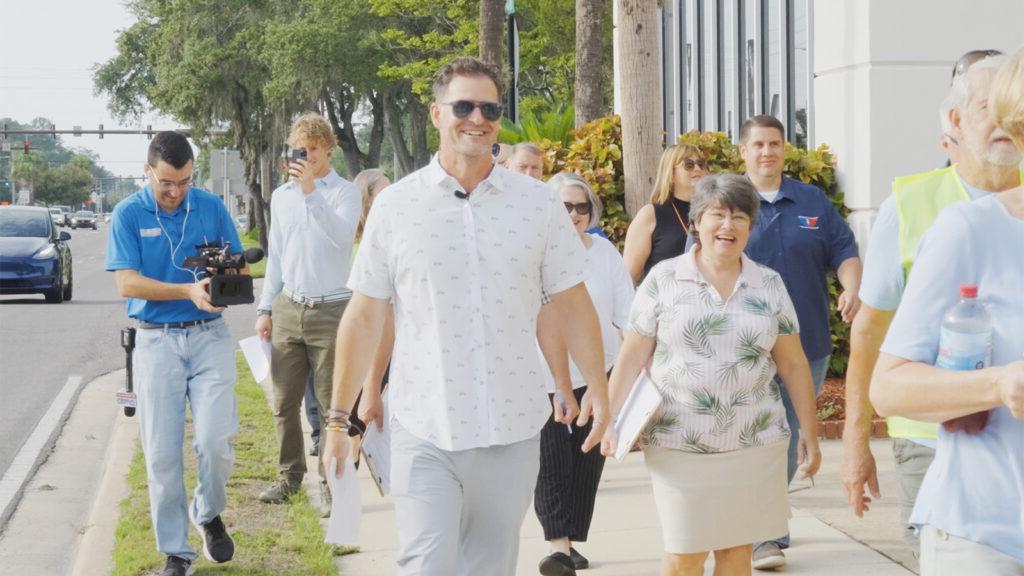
(659, 230)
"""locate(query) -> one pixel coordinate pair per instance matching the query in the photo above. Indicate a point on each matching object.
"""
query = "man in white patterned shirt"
(465, 249)
(313, 225)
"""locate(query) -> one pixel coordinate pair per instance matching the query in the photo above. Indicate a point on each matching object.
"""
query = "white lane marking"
(24, 464)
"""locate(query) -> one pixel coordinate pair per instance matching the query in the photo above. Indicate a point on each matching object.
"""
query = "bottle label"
(963, 351)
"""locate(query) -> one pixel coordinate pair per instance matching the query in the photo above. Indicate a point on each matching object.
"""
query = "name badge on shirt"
(149, 232)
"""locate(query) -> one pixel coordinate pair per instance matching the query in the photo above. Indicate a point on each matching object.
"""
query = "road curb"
(41, 442)
(95, 550)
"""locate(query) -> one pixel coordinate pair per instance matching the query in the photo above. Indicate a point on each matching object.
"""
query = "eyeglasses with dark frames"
(491, 111)
(581, 208)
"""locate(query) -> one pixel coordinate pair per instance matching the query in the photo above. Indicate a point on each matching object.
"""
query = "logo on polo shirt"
(808, 222)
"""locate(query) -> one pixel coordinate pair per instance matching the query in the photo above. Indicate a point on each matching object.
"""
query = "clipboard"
(376, 451)
(637, 411)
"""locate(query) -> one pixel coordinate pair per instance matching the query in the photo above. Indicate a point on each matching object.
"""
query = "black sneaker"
(176, 566)
(557, 564)
(217, 543)
(579, 561)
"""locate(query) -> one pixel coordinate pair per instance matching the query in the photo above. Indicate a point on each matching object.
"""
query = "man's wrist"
(263, 312)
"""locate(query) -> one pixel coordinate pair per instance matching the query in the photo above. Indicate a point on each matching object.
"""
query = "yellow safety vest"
(919, 199)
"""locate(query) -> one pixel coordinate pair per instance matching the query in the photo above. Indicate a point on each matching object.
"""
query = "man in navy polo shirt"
(183, 350)
(800, 235)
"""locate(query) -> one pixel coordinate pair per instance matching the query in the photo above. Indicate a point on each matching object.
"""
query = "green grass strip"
(270, 540)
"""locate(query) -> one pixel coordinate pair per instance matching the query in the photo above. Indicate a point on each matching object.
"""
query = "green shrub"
(595, 153)
(555, 126)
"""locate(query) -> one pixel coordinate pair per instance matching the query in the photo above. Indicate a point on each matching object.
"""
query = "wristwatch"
(263, 313)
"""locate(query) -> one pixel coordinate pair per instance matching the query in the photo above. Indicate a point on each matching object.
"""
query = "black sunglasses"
(583, 208)
(968, 60)
(491, 111)
(691, 164)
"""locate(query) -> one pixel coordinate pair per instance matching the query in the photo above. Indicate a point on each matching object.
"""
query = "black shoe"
(217, 543)
(557, 564)
(176, 566)
(579, 561)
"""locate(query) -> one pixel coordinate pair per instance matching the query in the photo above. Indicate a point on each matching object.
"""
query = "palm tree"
(589, 85)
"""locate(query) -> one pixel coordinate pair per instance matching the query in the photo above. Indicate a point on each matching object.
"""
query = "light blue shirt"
(311, 237)
(882, 283)
(975, 487)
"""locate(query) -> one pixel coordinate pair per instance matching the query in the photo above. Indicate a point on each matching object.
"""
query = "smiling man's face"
(473, 135)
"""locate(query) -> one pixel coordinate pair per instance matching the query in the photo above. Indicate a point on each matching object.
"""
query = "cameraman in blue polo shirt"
(800, 235)
(183, 350)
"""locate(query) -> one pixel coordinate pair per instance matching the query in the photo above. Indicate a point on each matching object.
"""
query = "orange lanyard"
(686, 231)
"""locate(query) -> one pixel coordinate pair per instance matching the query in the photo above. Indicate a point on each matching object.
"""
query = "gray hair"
(731, 191)
(564, 180)
(528, 147)
(960, 91)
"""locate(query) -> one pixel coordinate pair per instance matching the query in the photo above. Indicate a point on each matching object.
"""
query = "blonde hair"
(671, 158)
(1006, 98)
(370, 182)
(311, 127)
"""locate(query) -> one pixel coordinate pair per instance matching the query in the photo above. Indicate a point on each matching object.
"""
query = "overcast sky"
(50, 47)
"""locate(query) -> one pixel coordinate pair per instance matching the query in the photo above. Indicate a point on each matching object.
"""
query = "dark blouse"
(668, 239)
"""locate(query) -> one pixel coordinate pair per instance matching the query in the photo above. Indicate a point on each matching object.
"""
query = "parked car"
(242, 220)
(83, 219)
(34, 255)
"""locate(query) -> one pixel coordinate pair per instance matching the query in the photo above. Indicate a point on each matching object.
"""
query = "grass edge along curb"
(283, 540)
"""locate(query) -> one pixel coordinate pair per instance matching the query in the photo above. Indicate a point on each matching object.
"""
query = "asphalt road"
(43, 345)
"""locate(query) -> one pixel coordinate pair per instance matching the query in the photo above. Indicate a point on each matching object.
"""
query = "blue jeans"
(819, 368)
(312, 411)
(172, 366)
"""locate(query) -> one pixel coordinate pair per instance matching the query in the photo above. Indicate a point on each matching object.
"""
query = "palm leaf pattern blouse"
(712, 359)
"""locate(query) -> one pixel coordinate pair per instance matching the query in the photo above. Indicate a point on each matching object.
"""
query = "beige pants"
(943, 554)
(302, 341)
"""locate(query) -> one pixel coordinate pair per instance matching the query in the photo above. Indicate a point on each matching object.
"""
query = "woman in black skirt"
(568, 478)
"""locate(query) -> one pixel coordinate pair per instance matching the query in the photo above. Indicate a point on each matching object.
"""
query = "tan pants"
(303, 340)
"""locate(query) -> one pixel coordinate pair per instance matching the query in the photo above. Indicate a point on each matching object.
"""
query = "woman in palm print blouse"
(718, 327)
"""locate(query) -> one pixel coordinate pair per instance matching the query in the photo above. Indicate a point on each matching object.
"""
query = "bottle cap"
(969, 291)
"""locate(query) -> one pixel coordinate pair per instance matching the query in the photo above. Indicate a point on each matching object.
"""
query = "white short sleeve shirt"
(466, 277)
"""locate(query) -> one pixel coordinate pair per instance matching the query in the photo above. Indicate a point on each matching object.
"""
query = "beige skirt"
(714, 501)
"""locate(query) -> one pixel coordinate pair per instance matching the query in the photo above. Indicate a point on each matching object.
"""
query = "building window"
(728, 60)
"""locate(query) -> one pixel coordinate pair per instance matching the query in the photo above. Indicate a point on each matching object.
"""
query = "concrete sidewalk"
(625, 537)
(73, 501)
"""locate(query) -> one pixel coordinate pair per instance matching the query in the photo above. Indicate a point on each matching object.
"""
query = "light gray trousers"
(459, 513)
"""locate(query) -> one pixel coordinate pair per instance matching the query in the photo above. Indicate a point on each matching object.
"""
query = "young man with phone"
(313, 225)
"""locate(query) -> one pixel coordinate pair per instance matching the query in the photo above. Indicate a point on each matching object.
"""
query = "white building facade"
(865, 77)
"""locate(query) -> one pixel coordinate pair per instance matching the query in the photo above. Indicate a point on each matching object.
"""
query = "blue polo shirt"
(145, 238)
(802, 236)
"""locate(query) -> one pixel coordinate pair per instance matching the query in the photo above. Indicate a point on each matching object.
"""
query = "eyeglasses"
(491, 111)
(689, 165)
(968, 60)
(583, 208)
(167, 185)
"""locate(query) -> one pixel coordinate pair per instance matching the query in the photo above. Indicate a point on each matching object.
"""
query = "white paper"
(376, 450)
(641, 404)
(257, 354)
(346, 507)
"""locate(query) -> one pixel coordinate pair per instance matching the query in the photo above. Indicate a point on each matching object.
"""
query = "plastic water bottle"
(965, 343)
(965, 339)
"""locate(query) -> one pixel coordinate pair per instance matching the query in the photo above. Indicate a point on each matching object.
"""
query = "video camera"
(226, 288)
